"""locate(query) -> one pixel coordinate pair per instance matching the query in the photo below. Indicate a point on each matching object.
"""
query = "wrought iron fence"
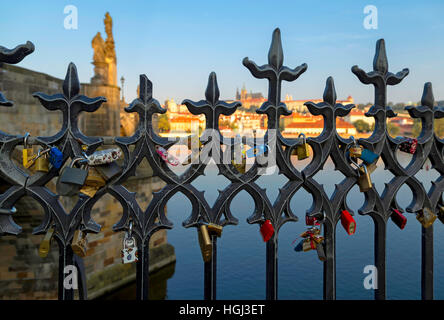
(143, 145)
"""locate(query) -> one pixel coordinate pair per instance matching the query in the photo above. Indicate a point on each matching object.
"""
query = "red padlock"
(348, 222)
(398, 218)
(409, 146)
(311, 221)
(267, 230)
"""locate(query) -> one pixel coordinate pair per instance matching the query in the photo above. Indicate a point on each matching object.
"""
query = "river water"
(241, 251)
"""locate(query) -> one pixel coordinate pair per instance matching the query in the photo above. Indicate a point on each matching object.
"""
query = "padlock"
(371, 167)
(27, 152)
(206, 246)
(299, 246)
(215, 229)
(398, 218)
(364, 180)
(348, 222)
(256, 151)
(104, 156)
(94, 181)
(321, 252)
(267, 230)
(168, 158)
(318, 238)
(240, 167)
(441, 213)
(409, 146)
(108, 171)
(308, 245)
(302, 150)
(55, 157)
(368, 156)
(71, 179)
(79, 243)
(426, 217)
(42, 163)
(355, 150)
(129, 252)
(311, 221)
(45, 245)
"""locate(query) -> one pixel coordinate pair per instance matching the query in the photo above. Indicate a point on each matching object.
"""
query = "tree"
(416, 130)
(164, 124)
(392, 129)
(361, 126)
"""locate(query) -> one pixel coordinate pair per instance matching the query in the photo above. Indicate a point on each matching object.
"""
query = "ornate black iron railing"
(143, 145)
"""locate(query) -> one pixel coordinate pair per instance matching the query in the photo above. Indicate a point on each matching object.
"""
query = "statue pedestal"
(100, 73)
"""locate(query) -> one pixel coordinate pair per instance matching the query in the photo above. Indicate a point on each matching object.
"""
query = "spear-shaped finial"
(275, 54)
(428, 99)
(330, 92)
(146, 88)
(380, 62)
(212, 91)
(71, 84)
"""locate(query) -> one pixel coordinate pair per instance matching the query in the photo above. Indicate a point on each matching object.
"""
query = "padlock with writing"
(267, 230)
(129, 252)
(103, 156)
(398, 218)
(348, 222)
(364, 180)
(409, 146)
(79, 243)
(45, 245)
(206, 246)
(168, 158)
(302, 150)
(426, 217)
(71, 179)
(308, 244)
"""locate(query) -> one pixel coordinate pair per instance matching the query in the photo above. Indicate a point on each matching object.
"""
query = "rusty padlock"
(426, 217)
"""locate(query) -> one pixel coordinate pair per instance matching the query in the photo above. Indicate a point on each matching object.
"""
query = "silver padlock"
(129, 251)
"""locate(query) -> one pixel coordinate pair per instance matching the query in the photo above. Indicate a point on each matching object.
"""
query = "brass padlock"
(45, 245)
(240, 167)
(371, 167)
(206, 246)
(441, 213)
(302, 150)
(364, 180)
(27, 152)
(42, 163)
(94, 181)
(215, 229)
(79, 243)
(355, 150)
(308, 245)
(426, 217)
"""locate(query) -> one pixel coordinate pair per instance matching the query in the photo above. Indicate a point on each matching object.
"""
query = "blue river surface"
(241, 251)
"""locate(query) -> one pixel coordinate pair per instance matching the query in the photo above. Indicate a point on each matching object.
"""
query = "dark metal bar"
(210, 272)
(427, 263)
(142, 272)
(380, 258)
(272, 269)
(329, 289)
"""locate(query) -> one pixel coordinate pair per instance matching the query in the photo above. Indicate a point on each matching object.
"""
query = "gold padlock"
(215, 229)
(42, 164)
(89, 191)
(355, 151)
(27, 152)
(240, 167)
(206, 247)
(94, 179)
(302, 150)
(441, 213)
(79, 243)
(426, 217)
(364, 180)
(45, 245)
(371, 168)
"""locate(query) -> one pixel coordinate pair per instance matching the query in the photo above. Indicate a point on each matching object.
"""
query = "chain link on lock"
(129, 251)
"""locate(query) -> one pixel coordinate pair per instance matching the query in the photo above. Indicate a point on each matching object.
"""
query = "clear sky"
(178, 43)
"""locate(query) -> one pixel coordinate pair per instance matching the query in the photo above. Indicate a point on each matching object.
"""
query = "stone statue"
(104, 59)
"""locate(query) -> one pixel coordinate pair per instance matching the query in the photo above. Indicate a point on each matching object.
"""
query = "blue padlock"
(298, 248)
(258, 150)
(55, 157)
(368, 156)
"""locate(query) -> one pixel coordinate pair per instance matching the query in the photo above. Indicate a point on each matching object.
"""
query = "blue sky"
(178, 43)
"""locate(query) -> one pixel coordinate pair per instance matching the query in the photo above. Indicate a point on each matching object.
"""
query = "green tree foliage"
(361, 126)
(164, 124)
(393, 129)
